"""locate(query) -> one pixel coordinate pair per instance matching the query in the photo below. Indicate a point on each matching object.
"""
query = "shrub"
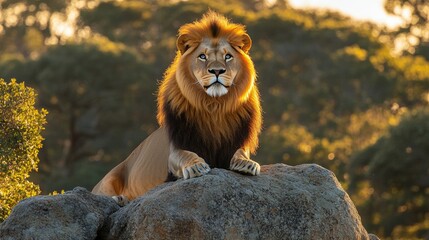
(20, 141)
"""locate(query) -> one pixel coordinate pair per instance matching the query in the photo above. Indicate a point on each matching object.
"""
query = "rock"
(77, 214)
(284, 202)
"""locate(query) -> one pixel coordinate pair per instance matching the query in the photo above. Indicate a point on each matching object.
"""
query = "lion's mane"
(212, 127)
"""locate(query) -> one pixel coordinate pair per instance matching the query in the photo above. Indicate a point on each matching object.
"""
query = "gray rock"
(77, 214)
(284, 202)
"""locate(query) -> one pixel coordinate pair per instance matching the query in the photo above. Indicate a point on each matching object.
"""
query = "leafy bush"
(20, 141)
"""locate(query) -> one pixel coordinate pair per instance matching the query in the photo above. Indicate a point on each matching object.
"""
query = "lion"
(209, 113)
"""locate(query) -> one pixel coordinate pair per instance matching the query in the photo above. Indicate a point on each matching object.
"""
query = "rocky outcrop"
(284, 202)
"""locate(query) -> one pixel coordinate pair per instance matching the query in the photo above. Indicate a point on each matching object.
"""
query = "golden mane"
(215, 117)
(214, 26)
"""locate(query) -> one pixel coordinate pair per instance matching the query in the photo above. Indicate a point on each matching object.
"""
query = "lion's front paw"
(195, 170)
(121, 200)
(245, 166)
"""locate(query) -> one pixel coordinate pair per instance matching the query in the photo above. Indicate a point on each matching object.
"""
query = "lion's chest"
(214, 141)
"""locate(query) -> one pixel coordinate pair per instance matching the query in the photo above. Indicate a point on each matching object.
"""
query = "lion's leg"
(186, 164)
(112, 185)
(241, 162)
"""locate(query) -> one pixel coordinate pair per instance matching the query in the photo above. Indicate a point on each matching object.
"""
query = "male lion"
(208, 111)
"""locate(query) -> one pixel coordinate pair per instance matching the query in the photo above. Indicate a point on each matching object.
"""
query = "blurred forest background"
(350, 96)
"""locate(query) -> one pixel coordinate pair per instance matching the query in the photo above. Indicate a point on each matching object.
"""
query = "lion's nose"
(217, 72)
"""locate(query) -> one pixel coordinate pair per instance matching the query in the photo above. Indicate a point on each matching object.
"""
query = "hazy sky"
(372, 10)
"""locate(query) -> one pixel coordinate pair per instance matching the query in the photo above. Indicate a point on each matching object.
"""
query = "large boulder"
(284, 202)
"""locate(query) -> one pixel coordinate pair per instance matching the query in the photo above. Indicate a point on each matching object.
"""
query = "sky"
(371, 10)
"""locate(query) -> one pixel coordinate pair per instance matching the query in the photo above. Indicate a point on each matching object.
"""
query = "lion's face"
(212, 68)
(215, 66)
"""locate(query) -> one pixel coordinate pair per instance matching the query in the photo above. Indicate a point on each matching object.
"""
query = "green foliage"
(20, 140)
(292, 144)
(396, 168)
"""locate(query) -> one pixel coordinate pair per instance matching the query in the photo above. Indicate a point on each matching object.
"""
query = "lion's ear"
(247, 43)
(182, 43)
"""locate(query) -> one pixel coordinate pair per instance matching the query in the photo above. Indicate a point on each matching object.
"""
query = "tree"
(415, 30)
(20, 140)
(26, 24)
(395, 174)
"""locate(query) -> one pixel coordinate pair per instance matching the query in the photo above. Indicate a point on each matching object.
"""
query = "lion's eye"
(228, 57)
(202, 57)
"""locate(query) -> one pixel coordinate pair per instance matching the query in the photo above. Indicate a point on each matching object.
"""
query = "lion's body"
(208, 110)
(145, 168)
